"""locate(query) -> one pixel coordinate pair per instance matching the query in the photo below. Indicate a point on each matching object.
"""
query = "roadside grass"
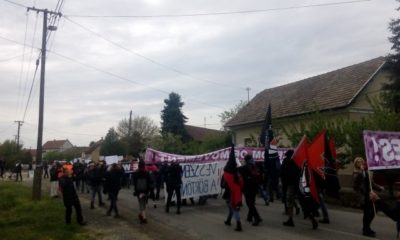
(22, 218)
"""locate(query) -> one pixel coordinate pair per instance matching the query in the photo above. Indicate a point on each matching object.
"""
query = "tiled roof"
(323, 92)
(55, 144)
(199, 133)
(93, 147)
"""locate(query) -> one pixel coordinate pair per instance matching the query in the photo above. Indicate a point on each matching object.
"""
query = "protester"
(272, 167)
(321, 194)
(153, 171)
(95, 174)
(85, 178)
(391, 212)
(78, 173)
(290, 175)
(112, 185)
(252, 179)
(362, 186)
(142, 182)
(232, 182)
(161, 179)
(18, 171)
(70, 197)
(174, 183)
(45, 169)
(54, 179)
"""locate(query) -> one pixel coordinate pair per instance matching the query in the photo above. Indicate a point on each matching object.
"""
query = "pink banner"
(154, 156)
(382, 149)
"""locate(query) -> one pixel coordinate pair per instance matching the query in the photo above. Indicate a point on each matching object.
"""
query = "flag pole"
(370, 187)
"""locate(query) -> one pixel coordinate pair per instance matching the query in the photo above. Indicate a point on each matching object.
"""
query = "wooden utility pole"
(37, 179)
(19, 128)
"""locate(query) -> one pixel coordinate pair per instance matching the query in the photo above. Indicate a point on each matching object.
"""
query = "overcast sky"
(100, 68)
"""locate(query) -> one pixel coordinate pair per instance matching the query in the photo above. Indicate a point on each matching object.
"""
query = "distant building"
(200, 134)
(93, 152)
(56, 146)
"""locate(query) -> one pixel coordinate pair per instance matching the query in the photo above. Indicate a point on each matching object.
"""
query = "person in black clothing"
(142, 182)
(252, 178)
(272, 167)
(54, 179)
(112, 185)
(18, 171)
(161, 178)
(95, 174)
(78, 173)
(362, 185)
(174, 183)
(290, 176)
(70, 198)
(45, 169)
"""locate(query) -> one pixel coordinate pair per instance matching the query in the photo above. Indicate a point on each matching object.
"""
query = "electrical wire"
(149, 59)
(11, 58)
(16, 4)
(22, 67)
(115, 75)
(217, 13)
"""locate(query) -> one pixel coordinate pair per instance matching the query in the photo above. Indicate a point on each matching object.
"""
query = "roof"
(55, 144)
(93, 147)
(200, 133)
(330, 90)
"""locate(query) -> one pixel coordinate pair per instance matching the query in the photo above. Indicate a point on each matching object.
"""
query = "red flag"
(300, 153)
(315, 154)
(313, 187)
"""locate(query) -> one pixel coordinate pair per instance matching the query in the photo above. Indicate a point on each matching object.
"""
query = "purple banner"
(154, 156)
(382, 149)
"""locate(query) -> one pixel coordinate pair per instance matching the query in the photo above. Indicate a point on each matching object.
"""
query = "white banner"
(200, 179)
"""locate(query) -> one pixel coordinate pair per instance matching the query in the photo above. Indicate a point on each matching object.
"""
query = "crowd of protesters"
(272, 180)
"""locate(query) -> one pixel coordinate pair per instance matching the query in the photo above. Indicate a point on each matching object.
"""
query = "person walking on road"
(252, 179)
(142, 183)
(174, 183)
(70, 197)
(362, 185)
(232, 182)
(112, 185)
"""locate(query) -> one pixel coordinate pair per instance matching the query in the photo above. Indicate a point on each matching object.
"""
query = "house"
(56, 146)
(93, 152)
(200, 134)
(336, 94)
(340, 93)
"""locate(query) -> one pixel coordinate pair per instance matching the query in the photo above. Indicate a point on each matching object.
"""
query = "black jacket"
(68, 190)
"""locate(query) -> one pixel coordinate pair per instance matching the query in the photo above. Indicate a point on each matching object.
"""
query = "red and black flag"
(233, 179)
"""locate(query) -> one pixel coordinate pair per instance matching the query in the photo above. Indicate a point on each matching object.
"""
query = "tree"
(142, 126)
(391, 95)
(229, 114)
(172, 119)
(111, 144)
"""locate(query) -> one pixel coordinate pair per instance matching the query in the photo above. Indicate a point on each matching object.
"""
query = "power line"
(11, 58)
(114, 75)
(149, 59)
(72, 133)
(217, 13)
(16, 4)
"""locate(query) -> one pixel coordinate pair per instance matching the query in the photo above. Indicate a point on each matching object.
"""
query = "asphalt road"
(207, 222)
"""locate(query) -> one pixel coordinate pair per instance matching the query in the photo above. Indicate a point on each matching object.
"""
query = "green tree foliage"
(172, 119)
(111, 144)
(392, 93)
(13, 154)
(348, 134)
(168, 142)
(136, 135)
(229, 114)
(53, 155)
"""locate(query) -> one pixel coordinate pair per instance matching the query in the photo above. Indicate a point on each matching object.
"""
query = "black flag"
(266, 131)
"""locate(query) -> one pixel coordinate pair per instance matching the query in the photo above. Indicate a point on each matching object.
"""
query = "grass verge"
(22, 218)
